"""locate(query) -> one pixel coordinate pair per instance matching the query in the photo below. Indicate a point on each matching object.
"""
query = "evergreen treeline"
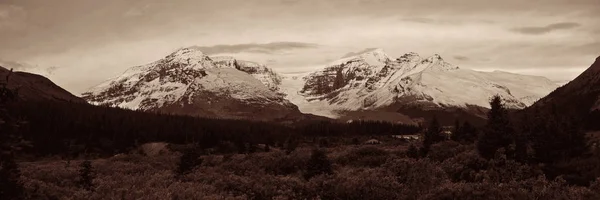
(57, 128)
(328, 128)
(543, 136)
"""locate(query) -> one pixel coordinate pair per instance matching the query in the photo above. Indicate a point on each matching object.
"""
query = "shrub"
(364, 157)
(188, 161)
(412, 152)
(86, 175)
(420, 176)
(281, 164)
(10, 185)
(445, 150)
(317, 164)
(352, 183)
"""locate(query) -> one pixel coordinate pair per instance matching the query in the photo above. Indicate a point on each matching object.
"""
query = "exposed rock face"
(191, 83)
(374, 81)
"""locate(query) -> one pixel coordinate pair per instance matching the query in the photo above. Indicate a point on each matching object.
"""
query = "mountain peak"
(375, 50)
(370, 56)
(190, 57)
(410, 56)
(375, 57)
(192, 51)
(435, 57)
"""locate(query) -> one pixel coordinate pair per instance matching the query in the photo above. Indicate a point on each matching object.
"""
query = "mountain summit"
(374, 81)
(189, 82)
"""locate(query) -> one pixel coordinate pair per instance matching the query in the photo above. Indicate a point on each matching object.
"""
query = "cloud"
(14, 65)
(266, 48)
(137, 11)
(11, 16)
(419, 20)
(592, 48)
(358, 53)
(19, 66)
(290, 2)
(533, 30)
(462, 58)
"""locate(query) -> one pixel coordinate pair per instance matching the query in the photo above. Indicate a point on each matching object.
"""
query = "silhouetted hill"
(33, 87)
(579, 98)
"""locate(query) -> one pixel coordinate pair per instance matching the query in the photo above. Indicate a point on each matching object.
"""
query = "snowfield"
(373, 80)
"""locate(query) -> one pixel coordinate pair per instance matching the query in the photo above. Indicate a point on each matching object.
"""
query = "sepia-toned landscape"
(287, 99)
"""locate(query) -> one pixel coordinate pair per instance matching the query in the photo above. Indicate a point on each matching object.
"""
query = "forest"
(78, 151)
(58, 128)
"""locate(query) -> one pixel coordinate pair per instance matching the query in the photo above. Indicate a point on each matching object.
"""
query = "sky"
(80, 43)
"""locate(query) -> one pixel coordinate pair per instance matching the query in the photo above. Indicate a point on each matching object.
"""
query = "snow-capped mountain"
(192, 83)
(259, 71)
(373, 80)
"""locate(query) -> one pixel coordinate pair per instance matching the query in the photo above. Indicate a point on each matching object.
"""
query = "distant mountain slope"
(33, 87)
(580, 97)
(192, 83)
(374, 81)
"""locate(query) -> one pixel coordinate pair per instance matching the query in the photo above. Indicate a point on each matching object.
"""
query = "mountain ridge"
(375, 81)
(34, 87)
(190, 82)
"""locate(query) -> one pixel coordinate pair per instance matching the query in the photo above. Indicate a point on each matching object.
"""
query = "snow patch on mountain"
(373, 80)
(259, 71)
(185, 75)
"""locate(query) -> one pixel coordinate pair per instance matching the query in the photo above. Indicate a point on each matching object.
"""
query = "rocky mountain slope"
(33, 87)
(192, 83)
(375, 81)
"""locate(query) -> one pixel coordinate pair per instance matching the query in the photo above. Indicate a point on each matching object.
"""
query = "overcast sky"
(83, 42)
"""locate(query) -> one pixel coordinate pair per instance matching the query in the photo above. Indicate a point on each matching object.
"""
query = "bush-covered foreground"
(450, 171)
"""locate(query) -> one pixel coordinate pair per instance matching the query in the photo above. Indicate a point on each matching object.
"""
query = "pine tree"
(465, 133)
(433, 134)
(290, 145)
(556, 138)
(188, 162)
(498, 132)
(323, 143)
(457, 132)
(468, 132)
(251, 148)
(317, 164)
(86, 175)
(412, 152)
(240, 146)
(10, 185)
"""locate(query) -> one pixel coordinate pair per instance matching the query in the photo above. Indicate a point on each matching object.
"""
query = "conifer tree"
(10, 185)
(498, 132)
(555, 137)
(464, 133)
(412, 152)
(433, 134)
(188, 162)
(290, 145)
(318, 164)
(86, 175)
(457, 132)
